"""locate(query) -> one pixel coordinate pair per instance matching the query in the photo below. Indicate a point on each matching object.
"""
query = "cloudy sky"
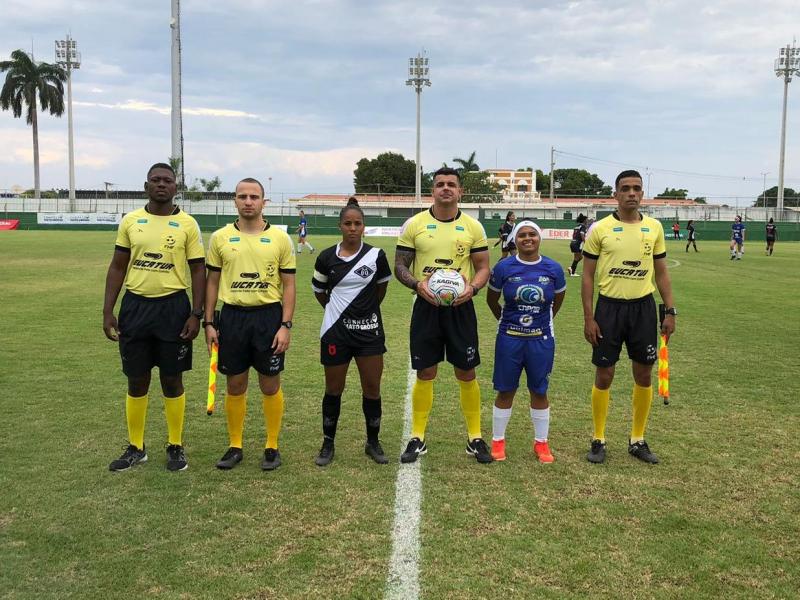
(300, 90)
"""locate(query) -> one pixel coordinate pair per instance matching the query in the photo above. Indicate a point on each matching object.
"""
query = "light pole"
(786, 65)
(764, 193)
(418, 78)
(177, 119)
(68, 58)
(552, 173)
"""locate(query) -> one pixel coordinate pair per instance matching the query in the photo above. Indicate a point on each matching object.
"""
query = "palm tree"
(24, 80)
(468, 164)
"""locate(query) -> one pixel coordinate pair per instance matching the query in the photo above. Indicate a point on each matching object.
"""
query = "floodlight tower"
(786, 65)
(68, 58)
(418, 78)
(177, 119)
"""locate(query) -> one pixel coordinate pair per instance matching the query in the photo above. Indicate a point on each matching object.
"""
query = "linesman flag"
(212, 380)
(663, 369)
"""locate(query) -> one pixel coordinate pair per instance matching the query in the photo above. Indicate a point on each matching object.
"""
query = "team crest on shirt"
(461, 249)
(526, 320)
(270, 270)
(647, 248)
(168, 241)
(364, 271)
(529, 294)
(543, 279)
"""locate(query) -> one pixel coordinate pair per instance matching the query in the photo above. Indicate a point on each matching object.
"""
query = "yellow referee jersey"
(251, 264)
(624, 253)
(160, 248)
(442, 244)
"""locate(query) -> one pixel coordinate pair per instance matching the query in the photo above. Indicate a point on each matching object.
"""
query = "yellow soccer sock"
(135, 414)
(174, 409)
(235, 409)
(421, 403)
(273, 415)
(642, 398)
(600, 402)
(471, 407)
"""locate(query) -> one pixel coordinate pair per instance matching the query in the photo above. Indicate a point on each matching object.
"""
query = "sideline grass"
(716, 518)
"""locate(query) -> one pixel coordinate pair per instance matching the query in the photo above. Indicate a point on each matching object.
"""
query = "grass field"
(717, 518)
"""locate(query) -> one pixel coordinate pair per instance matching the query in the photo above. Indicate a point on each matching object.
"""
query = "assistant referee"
(625, 250)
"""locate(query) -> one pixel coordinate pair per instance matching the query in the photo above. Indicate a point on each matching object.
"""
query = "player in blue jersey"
(302, 234)
(532, 287)
(737, 238)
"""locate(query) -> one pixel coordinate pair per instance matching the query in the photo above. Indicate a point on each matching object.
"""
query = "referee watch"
(198, 313)
(671, 311)
(287, 324)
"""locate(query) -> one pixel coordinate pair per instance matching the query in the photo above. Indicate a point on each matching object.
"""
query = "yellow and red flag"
(663, 370)
(212, 380)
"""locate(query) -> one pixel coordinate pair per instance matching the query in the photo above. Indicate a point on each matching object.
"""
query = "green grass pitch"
(717, 518)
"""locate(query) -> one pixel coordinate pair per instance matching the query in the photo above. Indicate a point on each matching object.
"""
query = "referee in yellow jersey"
(625, 251)
(156, 323)
(251, 269)
(444, 237)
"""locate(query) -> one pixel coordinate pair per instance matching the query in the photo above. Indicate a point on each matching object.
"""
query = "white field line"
(402, 582)
(675, 263)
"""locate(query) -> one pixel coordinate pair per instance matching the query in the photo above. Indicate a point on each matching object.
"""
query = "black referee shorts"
(150, 334)
(633, 322)
(436, 330)
(245, 339)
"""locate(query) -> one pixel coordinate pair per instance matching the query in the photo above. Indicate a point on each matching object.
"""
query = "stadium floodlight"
(68, 58)
(786, 65)
(418, 78)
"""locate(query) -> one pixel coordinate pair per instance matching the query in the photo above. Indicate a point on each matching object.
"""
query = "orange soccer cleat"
(542, 451)
(499, 449)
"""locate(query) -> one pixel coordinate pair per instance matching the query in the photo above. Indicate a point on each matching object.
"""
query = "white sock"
(500, 419)
(540, 417)
(310, 247)
(299, 248)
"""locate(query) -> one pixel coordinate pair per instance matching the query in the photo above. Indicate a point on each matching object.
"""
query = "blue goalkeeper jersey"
(528, 290)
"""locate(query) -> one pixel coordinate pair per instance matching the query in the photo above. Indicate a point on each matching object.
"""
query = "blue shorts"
(512, 354)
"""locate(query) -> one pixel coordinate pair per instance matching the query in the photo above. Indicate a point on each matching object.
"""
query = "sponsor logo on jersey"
(169, 242)
(364, 271)
(431, 226)
(631, 263)
(617, 229)
(633, 273)
(249, 285)
(152, 265)
(428, 270)
(141, 220)
(234, 239)
(153, 255)
(543, 279)
(248, 275)
(173, 224)
(646, 229)
(443, 261)
(265, 240)
(515, 279)
(459, 228)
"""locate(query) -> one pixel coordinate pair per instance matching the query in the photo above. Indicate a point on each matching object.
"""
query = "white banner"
(382, 231)
(77, 219)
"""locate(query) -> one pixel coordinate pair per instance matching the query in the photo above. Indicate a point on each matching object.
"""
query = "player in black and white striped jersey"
(350, 281)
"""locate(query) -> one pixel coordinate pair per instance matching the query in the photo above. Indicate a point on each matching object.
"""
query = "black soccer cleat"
(479, 450)
(416, 447)
(131, 457)
(374, 450)
(597, 453)
(641, 451)
(230, 459)
(176, 458)
(326, 453)
(272, 460)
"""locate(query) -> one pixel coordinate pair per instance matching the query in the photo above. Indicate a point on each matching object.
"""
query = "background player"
(443, 236)
(350, 281)
(156, 323)
(506, 245)
(737, 238)
(626, 250)
(691, 236)
(302, 234)
(772, 235)
(533, 288)
(576, 244)
(251, 269)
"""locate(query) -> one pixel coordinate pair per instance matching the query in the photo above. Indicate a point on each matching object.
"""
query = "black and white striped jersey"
(353, 314)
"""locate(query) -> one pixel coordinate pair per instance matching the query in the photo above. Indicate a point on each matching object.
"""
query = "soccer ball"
(446, 285)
